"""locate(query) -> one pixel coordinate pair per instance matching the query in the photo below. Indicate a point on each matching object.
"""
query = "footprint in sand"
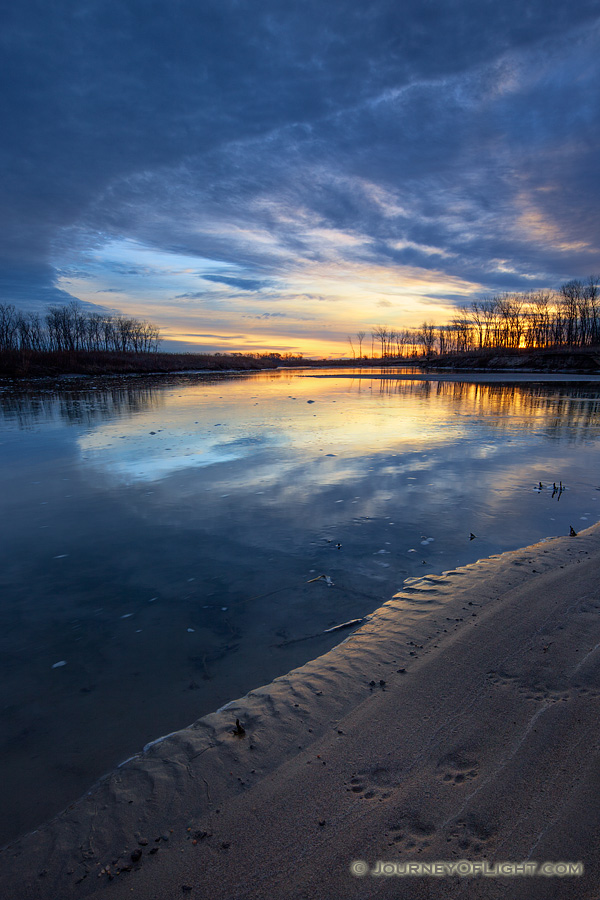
(457, 767)
(411, 833)
(531, 691)
(501, 679)
(552, 696)
(473, 834)
(371, 784)
(587, 692)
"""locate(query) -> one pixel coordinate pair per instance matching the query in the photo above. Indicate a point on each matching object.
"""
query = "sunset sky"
(277, 174)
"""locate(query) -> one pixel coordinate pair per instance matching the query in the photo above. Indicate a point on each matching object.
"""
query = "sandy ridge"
(487, 744)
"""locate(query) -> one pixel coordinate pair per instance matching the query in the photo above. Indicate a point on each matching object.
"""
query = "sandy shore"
(461, 722)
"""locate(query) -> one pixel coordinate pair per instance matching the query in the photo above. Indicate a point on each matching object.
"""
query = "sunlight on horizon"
(309, 309)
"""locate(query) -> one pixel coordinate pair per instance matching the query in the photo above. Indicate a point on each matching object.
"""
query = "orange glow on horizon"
(309, 309)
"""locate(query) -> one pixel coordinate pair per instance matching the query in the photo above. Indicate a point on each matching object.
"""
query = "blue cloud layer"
(456, 137)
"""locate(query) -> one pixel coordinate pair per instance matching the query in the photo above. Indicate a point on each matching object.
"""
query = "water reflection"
(561, 406)
(571, 408)
(162, 438)
(77, 407)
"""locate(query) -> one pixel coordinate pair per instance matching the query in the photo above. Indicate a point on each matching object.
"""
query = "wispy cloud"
(267, 315)
(298, 167)
(242, 284)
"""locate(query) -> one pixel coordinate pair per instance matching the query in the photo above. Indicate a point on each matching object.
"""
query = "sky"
(255, 175)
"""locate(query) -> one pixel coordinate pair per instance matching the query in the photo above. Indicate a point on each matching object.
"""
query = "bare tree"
(593, 293)
(477, 317)
(380, 333)
(568, 317)
(426, 337)
(442, 339)
(8, 326)
(571, 296)
(72, 328)
(391, 340)
(361, 336)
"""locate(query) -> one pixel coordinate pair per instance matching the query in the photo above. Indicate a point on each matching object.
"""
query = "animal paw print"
(588, 692)
(544, 693)
(501, 679)
(369, 785)
(458, 767)
(558, 696)
(536, 692)
(472, 835)
(538, 696)
(412, 834)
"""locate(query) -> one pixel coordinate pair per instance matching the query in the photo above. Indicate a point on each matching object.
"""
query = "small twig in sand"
(344, 625)
(319, 577)
(309, 637)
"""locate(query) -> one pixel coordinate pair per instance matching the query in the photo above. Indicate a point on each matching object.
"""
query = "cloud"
(243, 284)
(32, 285)
(214, 337)
(267, 316)
(298, 145)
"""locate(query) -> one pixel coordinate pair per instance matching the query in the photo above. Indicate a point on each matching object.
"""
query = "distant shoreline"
(29, 365)
(564, 359)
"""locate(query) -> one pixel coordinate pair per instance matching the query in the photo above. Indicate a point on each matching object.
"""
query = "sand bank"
(461, 722)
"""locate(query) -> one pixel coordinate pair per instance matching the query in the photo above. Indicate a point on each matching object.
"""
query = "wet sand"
(460, 722)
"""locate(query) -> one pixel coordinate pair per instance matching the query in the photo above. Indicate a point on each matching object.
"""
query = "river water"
(161, 536)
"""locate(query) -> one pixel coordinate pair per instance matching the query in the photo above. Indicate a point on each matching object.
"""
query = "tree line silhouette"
(569, 317)
(72, 328)
(543, 319)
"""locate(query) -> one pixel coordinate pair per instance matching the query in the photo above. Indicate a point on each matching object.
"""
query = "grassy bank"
(38, 364)
(584, 360)
(26, 364)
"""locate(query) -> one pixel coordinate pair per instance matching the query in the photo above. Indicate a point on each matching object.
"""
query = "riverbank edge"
(172, 794)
